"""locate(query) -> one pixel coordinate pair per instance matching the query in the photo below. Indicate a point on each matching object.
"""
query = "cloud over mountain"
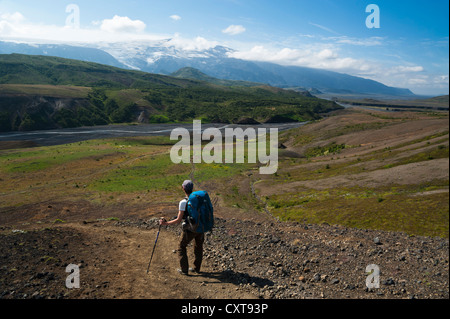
(314, 57)
(122, 24)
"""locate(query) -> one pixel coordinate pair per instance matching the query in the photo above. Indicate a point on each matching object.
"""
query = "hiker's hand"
(163, 221)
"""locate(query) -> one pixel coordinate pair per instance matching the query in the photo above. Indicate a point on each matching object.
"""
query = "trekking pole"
(157, 235)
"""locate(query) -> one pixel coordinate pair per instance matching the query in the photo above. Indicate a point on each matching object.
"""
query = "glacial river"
(72, 135)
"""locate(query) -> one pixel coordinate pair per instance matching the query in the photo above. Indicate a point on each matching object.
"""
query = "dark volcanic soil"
(243, 259)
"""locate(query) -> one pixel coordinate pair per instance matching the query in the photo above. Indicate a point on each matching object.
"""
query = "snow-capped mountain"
(148, 56)
(166, 57)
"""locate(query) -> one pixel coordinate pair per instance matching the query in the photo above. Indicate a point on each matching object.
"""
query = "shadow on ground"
(236, 278)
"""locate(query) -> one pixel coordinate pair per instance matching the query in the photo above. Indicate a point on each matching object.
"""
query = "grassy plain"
(362, 169)
(365, 169)
(129, 170)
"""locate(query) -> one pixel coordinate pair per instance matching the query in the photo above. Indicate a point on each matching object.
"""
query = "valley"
(355, 188)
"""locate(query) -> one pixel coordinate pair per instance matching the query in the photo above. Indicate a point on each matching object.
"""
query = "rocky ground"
(272, 260)
(243, 259)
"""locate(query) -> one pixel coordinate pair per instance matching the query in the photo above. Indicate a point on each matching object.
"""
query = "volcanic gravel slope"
(243, 259)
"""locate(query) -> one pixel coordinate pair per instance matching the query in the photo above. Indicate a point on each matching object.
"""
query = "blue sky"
(410, 49)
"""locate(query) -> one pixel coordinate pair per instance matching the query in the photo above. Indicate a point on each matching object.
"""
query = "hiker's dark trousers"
(186, 238)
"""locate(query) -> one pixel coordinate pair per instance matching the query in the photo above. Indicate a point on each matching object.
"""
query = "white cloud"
(417, 81)
(122, 25)
(313, 57)
(331, 57)
(401, 76)
(327, 54)
(367, 42)
(323, 28)
(196, 44)
(118, 29)
(175, 17)
(408, 69)
(15, 17)
(8, 22)
(5, 28)
(234, 29)
(442, 79)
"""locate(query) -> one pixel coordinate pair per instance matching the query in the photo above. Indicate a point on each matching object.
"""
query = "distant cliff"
(24, 113)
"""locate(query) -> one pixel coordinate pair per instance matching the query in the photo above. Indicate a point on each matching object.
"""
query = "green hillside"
(41, 92)
(31, 69)
(194, 74)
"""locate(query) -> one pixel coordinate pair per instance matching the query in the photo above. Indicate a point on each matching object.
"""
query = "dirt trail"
(244, 259)
(113, 260)
(128, 275)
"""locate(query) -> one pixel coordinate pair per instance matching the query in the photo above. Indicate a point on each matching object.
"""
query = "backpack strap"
(186, 213)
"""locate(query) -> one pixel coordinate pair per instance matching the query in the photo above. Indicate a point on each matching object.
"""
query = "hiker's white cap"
(188, 186)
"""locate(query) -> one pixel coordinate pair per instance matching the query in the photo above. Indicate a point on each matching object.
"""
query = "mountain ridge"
(196, 74)
(163, 57)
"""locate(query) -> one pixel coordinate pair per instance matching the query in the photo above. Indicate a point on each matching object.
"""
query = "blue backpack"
(200, 211)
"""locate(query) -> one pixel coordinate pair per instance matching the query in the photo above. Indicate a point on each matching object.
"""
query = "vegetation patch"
(438, 152)
(39, 159)
(393, 209)
(331, 148)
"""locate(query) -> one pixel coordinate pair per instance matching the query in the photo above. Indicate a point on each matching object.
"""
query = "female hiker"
(187, 236)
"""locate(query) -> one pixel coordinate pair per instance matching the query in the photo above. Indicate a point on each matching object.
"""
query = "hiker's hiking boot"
(192, 270)
(195, 271)
(182, 272)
